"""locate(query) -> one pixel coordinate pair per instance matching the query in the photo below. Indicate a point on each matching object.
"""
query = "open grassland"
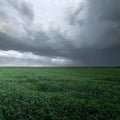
(59, 93)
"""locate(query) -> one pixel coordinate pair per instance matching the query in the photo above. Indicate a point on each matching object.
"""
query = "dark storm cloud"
(7, 43)
(10, 43)
(95, 29)
(40, 44)
(100, 34)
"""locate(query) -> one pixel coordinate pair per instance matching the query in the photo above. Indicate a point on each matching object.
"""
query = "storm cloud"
(54, 33)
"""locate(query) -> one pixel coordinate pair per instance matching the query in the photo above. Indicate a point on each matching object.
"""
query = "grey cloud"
(24, 8)
(98, 39)
(17, 58)
(94, 42)
(74, 13)
(36, 46)
(10, 43)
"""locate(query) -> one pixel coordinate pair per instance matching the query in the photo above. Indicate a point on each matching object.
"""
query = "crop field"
(59, 93)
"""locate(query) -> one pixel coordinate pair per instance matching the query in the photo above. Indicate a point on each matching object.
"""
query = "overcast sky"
(59, 32)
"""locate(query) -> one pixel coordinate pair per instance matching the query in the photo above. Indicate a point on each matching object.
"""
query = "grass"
(60, 93)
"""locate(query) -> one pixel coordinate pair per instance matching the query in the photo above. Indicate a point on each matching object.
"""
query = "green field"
(60, 93)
